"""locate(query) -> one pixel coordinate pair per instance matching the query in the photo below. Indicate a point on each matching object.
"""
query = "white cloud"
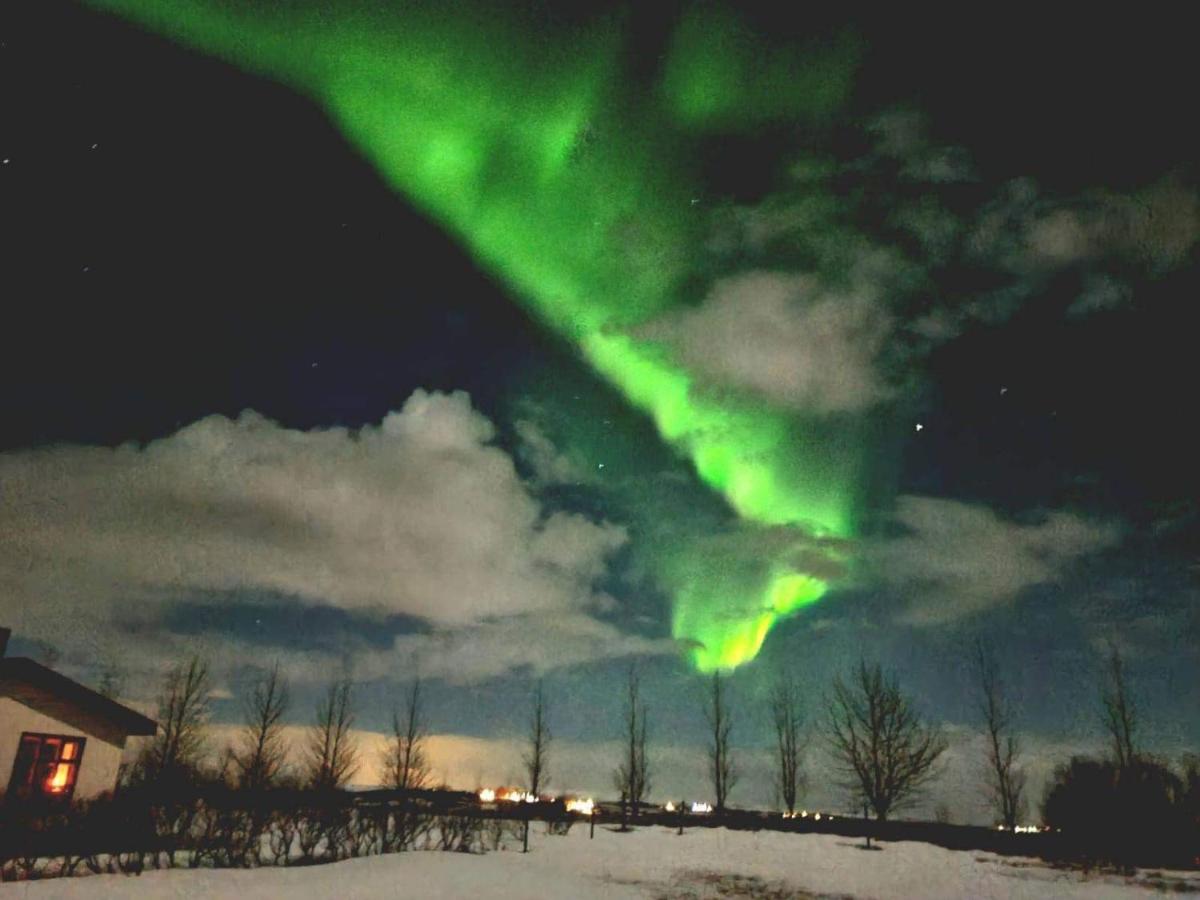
(550, 466)
(1028, 234)
(958, 559)
(540, 642)
(677, 771)
(420, 516)
(785, 338)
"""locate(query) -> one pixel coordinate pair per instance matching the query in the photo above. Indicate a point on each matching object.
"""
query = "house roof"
(47, 690)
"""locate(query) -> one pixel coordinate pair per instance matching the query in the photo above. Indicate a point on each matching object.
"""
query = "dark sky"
(186, 241)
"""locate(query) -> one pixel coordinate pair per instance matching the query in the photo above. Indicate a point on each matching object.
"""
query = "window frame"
(31, 786)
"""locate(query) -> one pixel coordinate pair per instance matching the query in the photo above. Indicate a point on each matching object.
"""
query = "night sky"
(313, 354)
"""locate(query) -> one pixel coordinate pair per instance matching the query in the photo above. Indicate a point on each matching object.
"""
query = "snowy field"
(653, 862)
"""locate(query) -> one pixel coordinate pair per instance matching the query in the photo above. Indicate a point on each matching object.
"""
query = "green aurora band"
(574, 185)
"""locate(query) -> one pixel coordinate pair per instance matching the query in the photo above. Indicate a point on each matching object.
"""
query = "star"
(919, 426)
(1003, 391)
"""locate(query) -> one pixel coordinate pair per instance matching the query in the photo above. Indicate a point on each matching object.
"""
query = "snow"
(649, 862)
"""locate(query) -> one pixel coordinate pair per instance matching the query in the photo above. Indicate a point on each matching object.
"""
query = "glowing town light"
(699, 807)
(507, 795)
(670, 807)
(580, 805)
(816, 817)
(487, 795)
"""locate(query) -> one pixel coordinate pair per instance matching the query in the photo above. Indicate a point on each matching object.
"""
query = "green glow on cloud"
(573, 186)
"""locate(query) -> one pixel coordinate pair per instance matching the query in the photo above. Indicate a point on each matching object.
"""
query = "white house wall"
(97, 771)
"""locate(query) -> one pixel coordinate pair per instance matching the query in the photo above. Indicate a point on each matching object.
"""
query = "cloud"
(957, 559)
(419, 516)
(1100, 293)
(539, 642)
(784, 338)
(549, 464)
(1026, 233)
(901, 135)
(467, 762)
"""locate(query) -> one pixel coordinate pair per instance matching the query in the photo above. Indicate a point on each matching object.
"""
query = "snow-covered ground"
(655, 863)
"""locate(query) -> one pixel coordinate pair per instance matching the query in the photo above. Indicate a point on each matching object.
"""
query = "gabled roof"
(46, 690)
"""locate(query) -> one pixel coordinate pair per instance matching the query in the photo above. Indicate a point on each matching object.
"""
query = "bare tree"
(1120, 713)
(262, 753)
(632, 776)
(1005, 781)
(405, 762)
(332, 752)
(787, 716)
(886, 754)
(183, 708)
(721, 769)
(537, 757)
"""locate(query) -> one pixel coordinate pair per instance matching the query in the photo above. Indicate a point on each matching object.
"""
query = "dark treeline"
(1129, 807)
(258, 803)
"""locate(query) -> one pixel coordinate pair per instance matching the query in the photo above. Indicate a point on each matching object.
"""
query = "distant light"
(515, 796)
(582, 806)
(487, 795)
(817, 817)
(804, 813)
(698, 807)
(919, 426)
(670, 807)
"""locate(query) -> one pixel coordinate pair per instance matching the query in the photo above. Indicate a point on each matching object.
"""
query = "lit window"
(47, 766)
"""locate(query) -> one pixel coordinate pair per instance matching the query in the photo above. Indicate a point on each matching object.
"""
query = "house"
(58, 738)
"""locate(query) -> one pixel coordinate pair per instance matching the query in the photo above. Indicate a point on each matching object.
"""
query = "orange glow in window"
(60, 779)
(68, 751)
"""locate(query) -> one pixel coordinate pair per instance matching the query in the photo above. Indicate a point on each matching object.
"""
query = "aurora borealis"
(574, 185)
(499, 343)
